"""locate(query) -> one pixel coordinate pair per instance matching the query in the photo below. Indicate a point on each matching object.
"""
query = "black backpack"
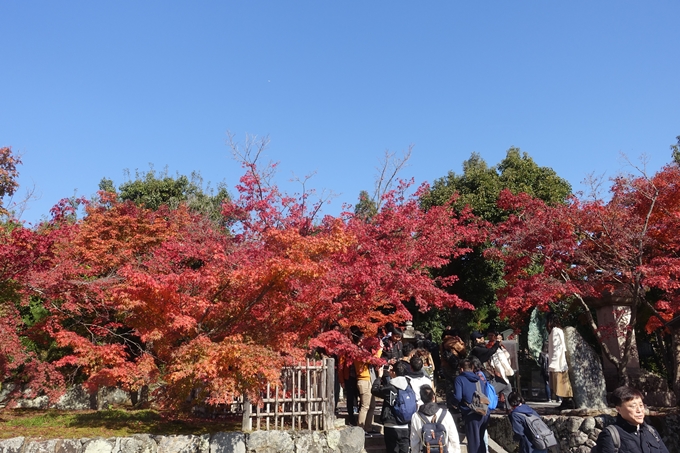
(433, 434)
(616, 438)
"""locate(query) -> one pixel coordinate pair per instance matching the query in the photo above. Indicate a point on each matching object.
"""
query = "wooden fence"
(303, 400)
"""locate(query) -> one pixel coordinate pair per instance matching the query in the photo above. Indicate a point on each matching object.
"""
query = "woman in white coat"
(557, 363)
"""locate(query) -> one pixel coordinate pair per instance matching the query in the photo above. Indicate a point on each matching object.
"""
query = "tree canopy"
(623, 248)
(479, 188)
(134, 294)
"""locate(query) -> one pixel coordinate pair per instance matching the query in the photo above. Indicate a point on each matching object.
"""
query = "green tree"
(365, 208)
(478, 187)
(675, 151)
(152, 190)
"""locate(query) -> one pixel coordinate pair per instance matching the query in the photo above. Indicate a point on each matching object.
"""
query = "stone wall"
(577, 434)
(346, 440)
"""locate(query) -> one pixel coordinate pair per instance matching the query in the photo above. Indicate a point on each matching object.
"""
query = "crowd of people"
(475, 382)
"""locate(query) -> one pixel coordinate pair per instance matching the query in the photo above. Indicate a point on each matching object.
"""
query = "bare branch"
(387, 173)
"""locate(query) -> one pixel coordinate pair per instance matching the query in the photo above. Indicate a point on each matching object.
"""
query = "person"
(497, 366)
(428, 362)
(545, 374)
(392, 346)
(429, 411)
(635, 435)
(557, 365)
(480, 349)
(452, 352)
(367, 402)
(475, 424)
(348, 378)
(396, 434)
(518, 421)
(418, 377)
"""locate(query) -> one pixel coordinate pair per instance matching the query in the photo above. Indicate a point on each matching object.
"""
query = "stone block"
(351, 440)
(99, 445)
(184, 444)
(44, 446)
(270, 442)
(310, 441)
(12, 445)
(139, 443)
(41, 402)
(76, 398)
(577, 439)
(68, 446)
(588, 425)
(228, 443)
(333, 439)
(573, 424)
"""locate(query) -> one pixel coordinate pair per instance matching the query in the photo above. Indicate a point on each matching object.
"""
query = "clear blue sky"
(88, 89)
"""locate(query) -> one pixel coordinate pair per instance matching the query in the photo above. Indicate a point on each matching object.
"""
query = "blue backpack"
(405, 404)
(490, 391)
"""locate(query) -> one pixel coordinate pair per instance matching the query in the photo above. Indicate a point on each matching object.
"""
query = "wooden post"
(329, 395)
(247, 423)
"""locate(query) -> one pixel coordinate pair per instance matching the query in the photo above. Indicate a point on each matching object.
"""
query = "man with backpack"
(433, 429)
(399, 405)
(469, 395)
(630, 433)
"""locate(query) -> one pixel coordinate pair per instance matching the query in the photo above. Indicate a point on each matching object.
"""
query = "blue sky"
(89, 89)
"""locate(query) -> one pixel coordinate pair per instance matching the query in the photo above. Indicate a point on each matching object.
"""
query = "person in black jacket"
(480, 349)
(635, 436)
(396, 434)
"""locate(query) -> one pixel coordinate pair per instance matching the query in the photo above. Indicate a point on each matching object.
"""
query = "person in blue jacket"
(475, 424)
(518, 416)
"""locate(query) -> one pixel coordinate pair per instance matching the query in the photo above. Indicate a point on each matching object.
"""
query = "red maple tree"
(587, 250)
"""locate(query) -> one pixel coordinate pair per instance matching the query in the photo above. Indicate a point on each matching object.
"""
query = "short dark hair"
(624, 394)
(397, 332)
(427, 394)
(400, 368)
(466, 364)
(515, 399)
(416, 363)
(407, 348)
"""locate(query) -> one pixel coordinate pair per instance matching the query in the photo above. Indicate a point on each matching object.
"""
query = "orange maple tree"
(136, 297)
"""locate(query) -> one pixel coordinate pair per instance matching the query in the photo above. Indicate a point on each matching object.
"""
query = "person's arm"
(378, 389)
(483, 353)
(517, 425)
(416, 427)
(605, 443)
(457, 393)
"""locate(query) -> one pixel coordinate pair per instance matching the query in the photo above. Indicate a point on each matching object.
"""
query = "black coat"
(644, 440)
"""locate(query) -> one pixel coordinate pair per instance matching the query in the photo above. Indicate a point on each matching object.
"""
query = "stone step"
(376, 444)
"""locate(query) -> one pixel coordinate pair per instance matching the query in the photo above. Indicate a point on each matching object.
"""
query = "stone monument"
(585, 372)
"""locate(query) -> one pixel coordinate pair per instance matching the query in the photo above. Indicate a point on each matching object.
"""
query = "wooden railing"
(303, 400)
